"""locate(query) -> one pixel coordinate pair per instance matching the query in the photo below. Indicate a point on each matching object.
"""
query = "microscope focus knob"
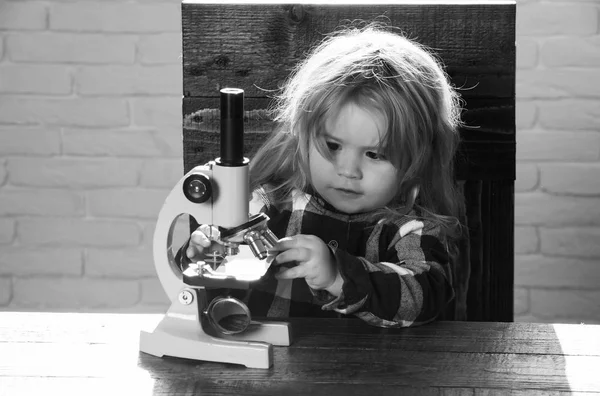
(197, 188)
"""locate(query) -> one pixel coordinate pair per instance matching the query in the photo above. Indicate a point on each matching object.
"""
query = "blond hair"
(390, 75)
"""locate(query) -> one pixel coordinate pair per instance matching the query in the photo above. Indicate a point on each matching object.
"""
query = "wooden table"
(97, 354)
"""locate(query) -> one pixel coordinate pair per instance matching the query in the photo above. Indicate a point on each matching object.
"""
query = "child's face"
(357, 179)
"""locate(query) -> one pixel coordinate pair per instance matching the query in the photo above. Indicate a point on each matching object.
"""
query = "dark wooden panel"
(501, 265)
(250, 46)
(490, 221)
(255, 46)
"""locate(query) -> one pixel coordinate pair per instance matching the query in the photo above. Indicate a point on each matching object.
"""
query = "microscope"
(217, 196)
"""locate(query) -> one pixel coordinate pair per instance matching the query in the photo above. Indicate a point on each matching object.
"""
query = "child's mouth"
(349, 193)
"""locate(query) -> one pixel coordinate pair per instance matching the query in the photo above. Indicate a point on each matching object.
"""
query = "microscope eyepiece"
(197, 188)
(232, 127)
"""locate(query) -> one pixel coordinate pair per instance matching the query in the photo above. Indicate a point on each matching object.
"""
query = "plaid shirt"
(395, 274)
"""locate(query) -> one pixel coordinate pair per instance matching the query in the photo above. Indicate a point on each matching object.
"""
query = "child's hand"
(202, 238)
(316, 263)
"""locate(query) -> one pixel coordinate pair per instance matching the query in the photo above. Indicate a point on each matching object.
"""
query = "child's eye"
(375, 156)
(332, 146)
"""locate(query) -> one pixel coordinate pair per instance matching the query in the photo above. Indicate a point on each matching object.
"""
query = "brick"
(40, 202)
(542, 19)
(521, 304)
(574, 304)
(157, 112)
(160, 49)
(18, 261)
(129, 80)
(573, 179)
(570, 114)
(71, 48)
(558, 83)
(73, 172)
(131, 142)
(153, 293)
(74, 293)
(551, 210)
(525, 114)
(120, 263)
(571, 51)
(116, 17)
(126, 203)
(543, 271)
(7, 231)
(526, 240)
(572, 242)
(161, 173)
(5, 291)
(78, 232)
(38, 141)
(22, 15)
(38, 79)
(527, 177)
(68, 111)
(527, 54)
(557, 146)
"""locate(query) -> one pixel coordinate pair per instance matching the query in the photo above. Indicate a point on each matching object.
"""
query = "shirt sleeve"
(409, 286)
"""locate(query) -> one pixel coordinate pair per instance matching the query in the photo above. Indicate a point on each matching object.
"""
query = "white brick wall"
(557, 213)
(90, 144)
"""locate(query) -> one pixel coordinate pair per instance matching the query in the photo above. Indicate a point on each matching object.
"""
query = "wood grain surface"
(255, 46)
(93, 354)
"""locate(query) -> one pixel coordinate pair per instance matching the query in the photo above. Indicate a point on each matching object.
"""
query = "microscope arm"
(176, 204)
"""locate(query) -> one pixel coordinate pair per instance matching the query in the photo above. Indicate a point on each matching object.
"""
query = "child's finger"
(291, 273)
(199, 238)
(296, 254)
(190, 252)
(194, 250)
(287, 243)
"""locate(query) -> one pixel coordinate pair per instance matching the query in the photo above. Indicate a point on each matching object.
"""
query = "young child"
(357, 181)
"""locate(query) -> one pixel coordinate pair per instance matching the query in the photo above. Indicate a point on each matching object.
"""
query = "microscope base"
(206, 348)
(180, 334)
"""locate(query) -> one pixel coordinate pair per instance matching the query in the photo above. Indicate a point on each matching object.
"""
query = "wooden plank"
(139, 385)
(501, 257)
(255, 46)
(305, 367)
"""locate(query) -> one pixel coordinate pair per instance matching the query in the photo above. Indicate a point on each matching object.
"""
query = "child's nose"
(348, 166)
